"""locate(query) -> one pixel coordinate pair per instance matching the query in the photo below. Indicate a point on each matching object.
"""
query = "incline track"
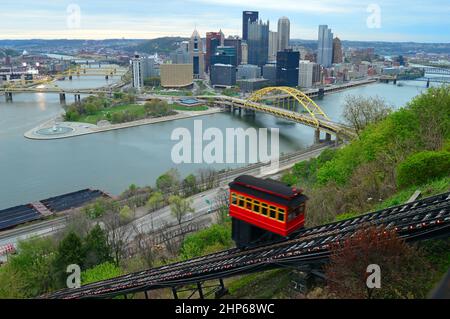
(423, 219)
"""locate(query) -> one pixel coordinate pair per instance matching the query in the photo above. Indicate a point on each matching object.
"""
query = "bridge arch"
(303, 100)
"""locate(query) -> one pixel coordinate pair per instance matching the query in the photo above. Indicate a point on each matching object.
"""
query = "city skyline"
(353, 20)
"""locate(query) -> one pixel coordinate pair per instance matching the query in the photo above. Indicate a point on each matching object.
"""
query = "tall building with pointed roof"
(197, 55)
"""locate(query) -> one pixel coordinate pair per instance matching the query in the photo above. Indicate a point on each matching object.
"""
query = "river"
(32, 170)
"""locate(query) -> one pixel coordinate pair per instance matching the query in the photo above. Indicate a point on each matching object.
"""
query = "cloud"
(310, 6)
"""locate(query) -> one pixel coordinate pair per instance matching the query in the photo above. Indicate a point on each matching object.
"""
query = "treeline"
(119, 109)
(41, 264)
(394, 150)
(91, 105)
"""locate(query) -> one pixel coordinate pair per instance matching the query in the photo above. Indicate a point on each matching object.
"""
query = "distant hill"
(159, 45)
(386, 48)
(8, 52)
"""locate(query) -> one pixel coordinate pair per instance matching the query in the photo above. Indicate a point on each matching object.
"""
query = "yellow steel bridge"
(290, 104)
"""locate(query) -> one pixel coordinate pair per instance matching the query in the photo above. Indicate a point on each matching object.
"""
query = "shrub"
(203, 242)
(101, 272)
(405, 272)
(422, 167)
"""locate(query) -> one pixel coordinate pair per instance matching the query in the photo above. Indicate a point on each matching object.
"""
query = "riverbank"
(79, 129)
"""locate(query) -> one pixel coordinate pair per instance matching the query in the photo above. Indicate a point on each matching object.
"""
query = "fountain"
(56, 129)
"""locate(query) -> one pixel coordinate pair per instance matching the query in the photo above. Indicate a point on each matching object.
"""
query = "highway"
(156, 220)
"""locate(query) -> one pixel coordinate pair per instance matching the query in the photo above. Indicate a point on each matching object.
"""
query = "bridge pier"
(70, 77)
(62, 98)
(317, 136)
(327, 137)
(249, 112)
(8, 96)
(77, 98)
(107, 77)
(321, 93)
(337, 141)
(428, 83)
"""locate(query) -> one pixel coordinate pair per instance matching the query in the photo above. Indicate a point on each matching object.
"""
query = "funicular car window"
(264, 209)
(256, 206)
(233, 199)
(281, 214)
(273, 212)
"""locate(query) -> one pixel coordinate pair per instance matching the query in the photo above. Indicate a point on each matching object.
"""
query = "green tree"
(96, 248)
(423, 167)
(70, 251)
(179, 207)
(126, 214)
(29, 273)
(168, 182)
(190, 185)
(155, 201)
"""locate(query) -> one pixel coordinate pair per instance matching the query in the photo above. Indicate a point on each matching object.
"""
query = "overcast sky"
(399, 20)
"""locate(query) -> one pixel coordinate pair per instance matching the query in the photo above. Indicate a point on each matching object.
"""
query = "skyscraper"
(273, 45)
(137, 68)
(306, 72)
(284, 33)
(244, 52)
(258, 43)
(235, 42)
(181, 55)
(225, 55)
(287, 68)
(197, 55)
(248, 16)
(325, 47)
(337, 51)
(213, 40)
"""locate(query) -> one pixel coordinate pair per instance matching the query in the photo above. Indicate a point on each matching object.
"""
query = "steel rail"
(425, 218)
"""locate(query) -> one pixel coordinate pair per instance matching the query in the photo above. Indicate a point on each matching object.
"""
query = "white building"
(137, 68)
(273, 46)
(244, 49)
(305, 74)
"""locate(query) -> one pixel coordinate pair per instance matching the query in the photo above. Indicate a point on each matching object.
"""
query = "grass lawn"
(136, 109)
(178, 107)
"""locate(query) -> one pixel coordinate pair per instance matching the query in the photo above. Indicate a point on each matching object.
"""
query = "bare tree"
(78, 223)
(144, 246)
(360, 111)
(119, 233)
(221, 205)
(172, 243)
(208, 178)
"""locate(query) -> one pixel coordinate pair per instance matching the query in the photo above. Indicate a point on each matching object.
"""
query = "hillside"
(160, 45)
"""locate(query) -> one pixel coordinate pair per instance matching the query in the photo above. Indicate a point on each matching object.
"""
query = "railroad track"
(423, 219)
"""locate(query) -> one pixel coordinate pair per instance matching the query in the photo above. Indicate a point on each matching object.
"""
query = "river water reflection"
(111, 161)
